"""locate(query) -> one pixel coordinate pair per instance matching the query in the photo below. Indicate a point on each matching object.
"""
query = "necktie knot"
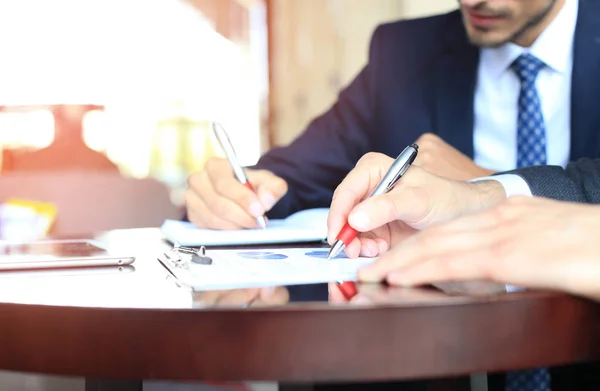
(527, 67)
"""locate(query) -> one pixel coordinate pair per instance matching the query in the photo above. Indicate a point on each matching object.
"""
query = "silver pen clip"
(397, 170)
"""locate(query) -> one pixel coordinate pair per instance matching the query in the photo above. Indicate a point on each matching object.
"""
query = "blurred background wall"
(157, 72)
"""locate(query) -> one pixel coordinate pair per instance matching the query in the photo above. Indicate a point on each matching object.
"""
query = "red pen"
(398, 168)
(235, 165)
(348, 289)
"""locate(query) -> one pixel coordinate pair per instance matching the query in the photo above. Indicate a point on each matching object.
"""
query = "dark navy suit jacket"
(420, 77)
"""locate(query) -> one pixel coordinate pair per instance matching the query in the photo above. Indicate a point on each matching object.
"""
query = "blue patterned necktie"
(531, 131)
(531, 151)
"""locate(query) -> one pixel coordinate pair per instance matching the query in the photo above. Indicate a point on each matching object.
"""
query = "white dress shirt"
(496, 102)
(497, 94)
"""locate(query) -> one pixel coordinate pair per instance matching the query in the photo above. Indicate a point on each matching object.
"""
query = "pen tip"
(337, 248)
(262, 222)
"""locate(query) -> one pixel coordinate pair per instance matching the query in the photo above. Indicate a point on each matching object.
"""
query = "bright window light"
(135, 58)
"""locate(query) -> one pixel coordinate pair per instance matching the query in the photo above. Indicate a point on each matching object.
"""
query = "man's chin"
(487, 39)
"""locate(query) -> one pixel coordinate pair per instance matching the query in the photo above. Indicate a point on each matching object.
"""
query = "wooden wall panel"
(318, 46)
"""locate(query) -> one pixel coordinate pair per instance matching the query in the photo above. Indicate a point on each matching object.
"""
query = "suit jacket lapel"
(455, 80)
(585, 84)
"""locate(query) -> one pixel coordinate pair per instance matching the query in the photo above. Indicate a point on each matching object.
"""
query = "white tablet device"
(50, 254)
(67, 271)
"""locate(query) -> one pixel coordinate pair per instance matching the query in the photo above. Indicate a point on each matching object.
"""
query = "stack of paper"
(305, 226)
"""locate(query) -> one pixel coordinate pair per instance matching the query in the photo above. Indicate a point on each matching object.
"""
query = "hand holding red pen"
(216, 199)
(226, 195)
(347, 218)
(418, 200)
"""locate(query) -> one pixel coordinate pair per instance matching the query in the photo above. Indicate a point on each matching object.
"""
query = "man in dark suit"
(524, 241)
(479, 88)
(427, 76)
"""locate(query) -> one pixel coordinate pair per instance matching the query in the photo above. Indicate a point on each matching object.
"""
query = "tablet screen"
(49, 250)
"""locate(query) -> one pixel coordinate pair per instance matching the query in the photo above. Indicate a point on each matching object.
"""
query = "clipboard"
(202, 269)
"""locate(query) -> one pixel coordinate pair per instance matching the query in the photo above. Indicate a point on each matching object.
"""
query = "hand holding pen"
(418, 200)
(219, 196)
(398, 168)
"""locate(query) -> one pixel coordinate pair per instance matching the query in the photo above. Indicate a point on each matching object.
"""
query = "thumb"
(269, 187)
(408, 204)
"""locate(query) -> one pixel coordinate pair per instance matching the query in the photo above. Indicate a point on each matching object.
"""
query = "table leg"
(113, 385)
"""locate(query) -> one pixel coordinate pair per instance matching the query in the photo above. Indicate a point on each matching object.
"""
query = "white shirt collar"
(554, 46)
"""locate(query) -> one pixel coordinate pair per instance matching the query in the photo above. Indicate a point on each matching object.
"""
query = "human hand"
(528, 242)
(255, 297)
(418, 200)
(440, 158)
(216, 199)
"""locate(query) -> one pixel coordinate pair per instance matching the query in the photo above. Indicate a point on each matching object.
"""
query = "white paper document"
(233, 269)
(305, 226)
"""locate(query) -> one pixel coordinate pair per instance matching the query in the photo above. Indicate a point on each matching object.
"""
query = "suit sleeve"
(318, 160)
(578, 182)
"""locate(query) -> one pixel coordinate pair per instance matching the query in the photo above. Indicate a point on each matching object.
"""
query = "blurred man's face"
(491, 23)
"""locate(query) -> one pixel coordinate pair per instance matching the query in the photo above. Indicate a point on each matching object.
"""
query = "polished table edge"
(453, 337)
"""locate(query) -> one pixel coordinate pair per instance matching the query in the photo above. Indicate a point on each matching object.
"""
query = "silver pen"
(398, 168)
(238, 171)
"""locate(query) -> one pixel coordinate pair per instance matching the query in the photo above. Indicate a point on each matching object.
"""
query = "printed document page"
(233, 269)
(302, 227)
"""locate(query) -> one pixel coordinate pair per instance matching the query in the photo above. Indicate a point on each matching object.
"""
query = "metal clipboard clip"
(181, 257)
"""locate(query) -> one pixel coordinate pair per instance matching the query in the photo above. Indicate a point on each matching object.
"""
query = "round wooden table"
(141, 325)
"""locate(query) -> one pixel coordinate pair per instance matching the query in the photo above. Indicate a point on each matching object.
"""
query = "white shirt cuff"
(513, 184)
